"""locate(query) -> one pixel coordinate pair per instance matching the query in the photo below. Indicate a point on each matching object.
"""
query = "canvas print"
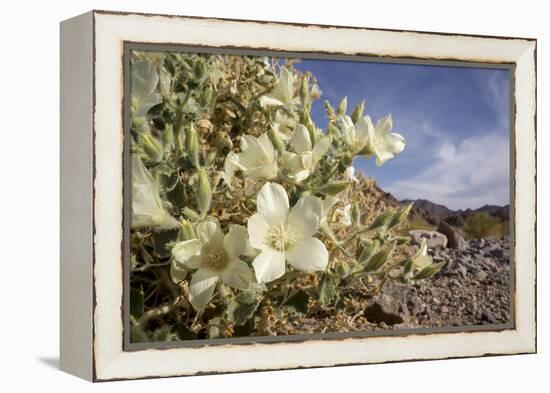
(280, 197)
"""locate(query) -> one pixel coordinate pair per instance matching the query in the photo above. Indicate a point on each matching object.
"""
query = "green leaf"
(298, 303)
(328, 292)
(380, 222)
(242, 307)
(137, 335)
(183, 332)
(376, 261)
(429, 271)
(369, 248)
(136, 302)
(399, 216)
(163, 334)
(163, 241)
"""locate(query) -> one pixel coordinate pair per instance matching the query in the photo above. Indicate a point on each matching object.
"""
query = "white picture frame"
(92, 194)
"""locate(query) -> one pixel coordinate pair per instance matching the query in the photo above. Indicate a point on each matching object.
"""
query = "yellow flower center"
(280, 237)
(215, 259)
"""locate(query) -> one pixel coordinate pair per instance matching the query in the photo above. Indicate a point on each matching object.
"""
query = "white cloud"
(470, 174)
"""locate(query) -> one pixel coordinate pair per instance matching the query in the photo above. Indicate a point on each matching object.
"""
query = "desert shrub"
(481, 225)
(246, 215)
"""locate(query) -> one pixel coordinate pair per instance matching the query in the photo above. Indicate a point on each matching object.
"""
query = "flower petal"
(364, 130)
(257, 230)
(267, 100)
(382, 156)
(178, 272)
(285, 85)
(320, 149)
(269, 265)
(272, 203)
(301, 141)
(384, 125)
(236, 240)
(308, 255)
(305, 216)
(237, 275)
(202, 287)
(209, 231)
(187, 253)
(395, 143)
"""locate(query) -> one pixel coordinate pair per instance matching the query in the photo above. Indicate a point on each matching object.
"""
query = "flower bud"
(342, 107)
(187, 232)
(205, 192)
(358, 112)
(334, 187)
(399, 216)
(206, 96)
(168, 137)
(152, 147)
(355, 215)
(199, 70)
(276, 140)
(211, 157)
(304, 89)
(381, 221)
(193, 146)
(330, 110)
(191, 214)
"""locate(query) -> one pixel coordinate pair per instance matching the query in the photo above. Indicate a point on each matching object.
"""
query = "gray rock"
(433, 239)
(481, 276)
(453, 237)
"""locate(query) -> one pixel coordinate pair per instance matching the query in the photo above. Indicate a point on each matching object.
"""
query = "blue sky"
(455, 121)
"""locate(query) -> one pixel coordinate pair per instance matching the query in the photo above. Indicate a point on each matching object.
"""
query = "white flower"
(421, 259)
(283, 93)
(364, 138)
(145, 79)
(258, 159)
(147, 207)
(303, 161)
(356, 136)
(216, 258)
(281, 233)
(383, 143)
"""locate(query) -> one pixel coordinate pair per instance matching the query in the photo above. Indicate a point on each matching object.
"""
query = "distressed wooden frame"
(92, 191)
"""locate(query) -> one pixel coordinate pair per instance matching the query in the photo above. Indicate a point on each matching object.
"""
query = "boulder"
(433, 239)
(453, 237)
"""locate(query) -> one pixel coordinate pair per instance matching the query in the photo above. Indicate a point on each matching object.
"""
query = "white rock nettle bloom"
(383, 143)
(283, 93)
(147, 207)
(281, 233)
(356, 135)
(145, 79)
(421, 259)
(303, 161)
(257, 160)
(215, 258)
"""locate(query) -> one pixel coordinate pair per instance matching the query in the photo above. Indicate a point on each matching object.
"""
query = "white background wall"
(29, 195)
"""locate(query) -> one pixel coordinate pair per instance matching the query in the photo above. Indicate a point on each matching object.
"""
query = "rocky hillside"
(472, 289)
(474, 286)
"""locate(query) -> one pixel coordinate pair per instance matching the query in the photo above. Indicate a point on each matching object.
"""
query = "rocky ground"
(472, 289)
